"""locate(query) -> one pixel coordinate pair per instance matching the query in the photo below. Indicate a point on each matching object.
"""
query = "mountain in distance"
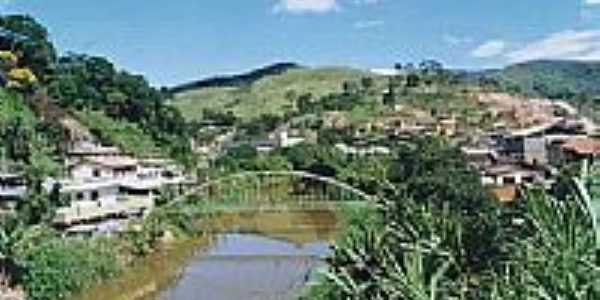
(236, 80)
(264, 90)
(549, 78)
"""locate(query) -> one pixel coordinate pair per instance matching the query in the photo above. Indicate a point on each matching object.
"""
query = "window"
(79, 196)
(510, 180)
(95, 195)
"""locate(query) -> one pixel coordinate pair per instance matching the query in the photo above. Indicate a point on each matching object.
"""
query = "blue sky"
(176, 41)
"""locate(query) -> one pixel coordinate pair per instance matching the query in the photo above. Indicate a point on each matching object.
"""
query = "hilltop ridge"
(268, 93)
(237, 79)
(549, 78)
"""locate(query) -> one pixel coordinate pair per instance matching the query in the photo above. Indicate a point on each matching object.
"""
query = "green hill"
(550, 78)
(236, 80)
(271, 94)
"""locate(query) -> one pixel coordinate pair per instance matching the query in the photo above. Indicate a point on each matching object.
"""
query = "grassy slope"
(268, 95)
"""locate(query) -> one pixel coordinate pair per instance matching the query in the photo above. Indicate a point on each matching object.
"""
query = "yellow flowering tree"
(8, 60)
(21, 78)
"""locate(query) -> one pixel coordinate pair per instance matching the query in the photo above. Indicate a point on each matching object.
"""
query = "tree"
(30, 39)
(262, 125)
(269, 163)
(91, 82)
(350, 88)
(291, 96)
(8, 60)
(322, 168)
(367, 84)
(39, 204)
(117, 102)
(389, 98)
(305, 155)
(413, 80)
(242, 152)
(21, 78)
(431, 68)
(436, 175)
(304, 103)
(398, 67)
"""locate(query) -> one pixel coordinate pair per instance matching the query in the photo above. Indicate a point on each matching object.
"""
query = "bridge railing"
(275, 187)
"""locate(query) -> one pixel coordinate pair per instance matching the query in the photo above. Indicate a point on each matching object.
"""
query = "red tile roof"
(583, 146)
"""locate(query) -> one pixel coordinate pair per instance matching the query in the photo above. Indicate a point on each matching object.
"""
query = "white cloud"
(570, 44)
(306, 6)
(488, 49)
(316, 6)
(454, 40)
(370, 2)
(366, 24)
(592, 2)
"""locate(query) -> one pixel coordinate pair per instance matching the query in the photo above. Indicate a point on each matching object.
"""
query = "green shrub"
(56, 268)
(126, 135)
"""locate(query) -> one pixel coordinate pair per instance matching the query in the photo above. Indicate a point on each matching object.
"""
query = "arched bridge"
(276, 188)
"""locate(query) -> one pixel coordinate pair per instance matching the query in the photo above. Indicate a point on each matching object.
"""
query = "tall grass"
(548, 251)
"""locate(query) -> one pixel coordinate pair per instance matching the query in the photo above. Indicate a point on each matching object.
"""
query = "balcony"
(90, 211)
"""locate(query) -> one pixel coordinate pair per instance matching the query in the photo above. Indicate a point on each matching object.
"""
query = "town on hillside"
(523, 141)
(103, 186)
(418, 181)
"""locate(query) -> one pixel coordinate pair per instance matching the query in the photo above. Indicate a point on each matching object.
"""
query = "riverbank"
(150, 274)
(155, 272)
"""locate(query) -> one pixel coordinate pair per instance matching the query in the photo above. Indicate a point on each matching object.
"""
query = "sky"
(173, 42)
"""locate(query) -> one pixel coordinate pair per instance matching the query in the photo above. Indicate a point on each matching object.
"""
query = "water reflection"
(267, 256)
(244, 266)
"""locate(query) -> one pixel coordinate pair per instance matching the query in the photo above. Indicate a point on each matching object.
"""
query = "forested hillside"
(550, 78)
(84, 85)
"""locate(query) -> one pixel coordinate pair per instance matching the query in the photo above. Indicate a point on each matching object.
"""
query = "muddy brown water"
(246, 255)
(258, 256)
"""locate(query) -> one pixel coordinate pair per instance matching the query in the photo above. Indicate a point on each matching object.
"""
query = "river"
(258, 256)
(244, 255)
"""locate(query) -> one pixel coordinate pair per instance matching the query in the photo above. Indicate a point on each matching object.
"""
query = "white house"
(12, 189)
(286, 138)
(103, 167)
(107, 185)
(99, 200)
(88, 200)
(363, 151)
(509, 174)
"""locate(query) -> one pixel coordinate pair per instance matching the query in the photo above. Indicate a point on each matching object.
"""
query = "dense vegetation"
(573, 81)
(549, 78)
(81, 82)
(49, 267)
(126, 135)
(442, 238)
(31, 41)
(28, 147)
(39, 88)
(438, 234)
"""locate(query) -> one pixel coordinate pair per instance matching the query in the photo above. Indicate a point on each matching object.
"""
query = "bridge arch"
(230, 181)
